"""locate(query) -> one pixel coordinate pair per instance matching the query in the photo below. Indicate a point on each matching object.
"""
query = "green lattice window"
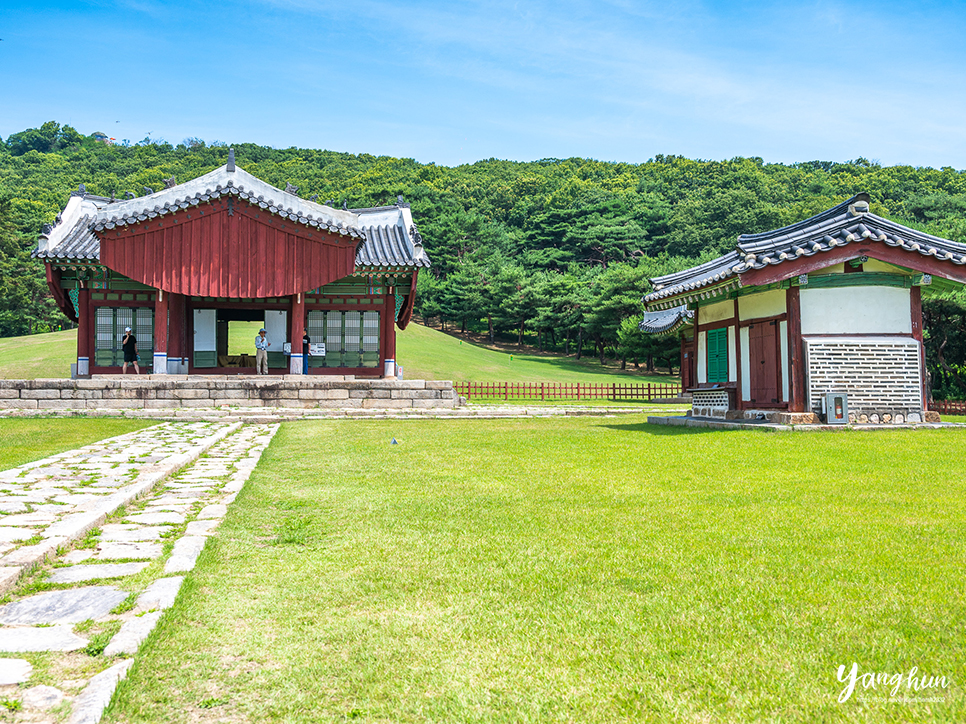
(109, 324)
(351, 338)
(718, 355)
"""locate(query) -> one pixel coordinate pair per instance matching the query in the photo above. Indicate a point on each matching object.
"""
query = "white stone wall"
(881, 375)
(856, 310)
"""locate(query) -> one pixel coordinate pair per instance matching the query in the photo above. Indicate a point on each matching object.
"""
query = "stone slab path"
(96, 591)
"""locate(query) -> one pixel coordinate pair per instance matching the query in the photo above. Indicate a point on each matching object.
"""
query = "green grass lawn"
(38, 355)
(427, 353)
(577, 570)
(23, 440)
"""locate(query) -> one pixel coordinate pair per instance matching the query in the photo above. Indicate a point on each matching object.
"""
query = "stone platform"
(180, 392)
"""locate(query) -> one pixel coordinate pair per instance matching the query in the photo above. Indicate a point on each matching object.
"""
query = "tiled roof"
(666, 321)
(74, 237)
(849, 222)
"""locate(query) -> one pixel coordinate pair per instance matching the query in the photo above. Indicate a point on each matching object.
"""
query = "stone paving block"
(61, 404)
(40, 394)
(156, 518)
(215, 510)
(48, 638)
(119, 551)
(386, 404)
(18, 404)
(183, 556)
(132, 634)
(9, 394)
(77, 574)
(159, 595)
(90, 705)
(9, 506)
(201, 527)
(77, 556)
(8, 535)
(72, 605)
(129, 532)
(14, 671)
(28, 555)
(41, 697)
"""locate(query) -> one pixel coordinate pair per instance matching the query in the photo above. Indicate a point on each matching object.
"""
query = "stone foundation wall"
(162, 392)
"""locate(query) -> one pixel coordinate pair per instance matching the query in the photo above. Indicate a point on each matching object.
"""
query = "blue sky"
(455, 82)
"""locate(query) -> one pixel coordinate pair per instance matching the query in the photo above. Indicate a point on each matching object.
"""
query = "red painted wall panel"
(217, 251)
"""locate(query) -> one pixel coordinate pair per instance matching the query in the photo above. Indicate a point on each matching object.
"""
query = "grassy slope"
(590, 570)
(24, 440)
(425, 354)
(429, 354)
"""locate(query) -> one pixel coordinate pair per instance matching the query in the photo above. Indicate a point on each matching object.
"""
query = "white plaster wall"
(275, 329)
(732, 356)
(702, 357)
(856, 310)
(204, 330)
(745, 364)
(783, 341)
(766, 304)
(874, 265)
(718, 311)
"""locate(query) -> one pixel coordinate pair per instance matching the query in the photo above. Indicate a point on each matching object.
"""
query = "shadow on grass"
(663, 430)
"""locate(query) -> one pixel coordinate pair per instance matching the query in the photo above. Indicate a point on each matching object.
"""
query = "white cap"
(127, 329)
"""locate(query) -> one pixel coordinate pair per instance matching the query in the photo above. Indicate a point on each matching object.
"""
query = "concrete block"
(61, 404)
(194, 404)
(28, 394)
(124, 404)
(129, 393)
(96, 384)
(415, 394)
(18, 404)
(11, 385)
(77, 394)
(430, 404)
(183, 394)
(9, 394)
(161, 404)
(439, 384)
(386, 404)
(47, 384)
(340, 404)
(370, 394)
(223, 394)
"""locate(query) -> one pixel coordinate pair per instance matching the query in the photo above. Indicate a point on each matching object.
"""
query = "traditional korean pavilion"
(180, 264)
(832, 304)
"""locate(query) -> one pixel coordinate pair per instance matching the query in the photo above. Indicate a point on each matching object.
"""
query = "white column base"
(83, 366)
(160, 363)
(390, 369)
(295, 364)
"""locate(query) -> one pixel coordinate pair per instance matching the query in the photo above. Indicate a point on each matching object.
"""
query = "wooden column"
(296, 325)
(161, 302)
(388, 324)
(84, 328)
(177, 343)
(796, 352)
(738, 403)
(915, 297)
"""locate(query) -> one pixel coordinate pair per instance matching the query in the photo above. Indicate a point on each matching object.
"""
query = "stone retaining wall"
(161, 392)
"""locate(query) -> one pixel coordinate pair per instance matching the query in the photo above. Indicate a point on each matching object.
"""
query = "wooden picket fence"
(561, 392)
(948, 407)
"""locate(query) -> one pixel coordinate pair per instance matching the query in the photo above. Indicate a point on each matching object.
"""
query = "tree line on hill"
(555, 252)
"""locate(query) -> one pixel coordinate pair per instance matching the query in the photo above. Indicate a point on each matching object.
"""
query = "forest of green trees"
(555, 252)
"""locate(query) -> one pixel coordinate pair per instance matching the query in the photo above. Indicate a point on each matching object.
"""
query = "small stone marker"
(48, 638)
(14, 671)
(70, 606)
(76, 574)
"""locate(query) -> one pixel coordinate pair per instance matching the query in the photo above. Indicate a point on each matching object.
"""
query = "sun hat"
(262, 330)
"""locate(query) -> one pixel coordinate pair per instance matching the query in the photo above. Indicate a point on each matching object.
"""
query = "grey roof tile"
(847, 223)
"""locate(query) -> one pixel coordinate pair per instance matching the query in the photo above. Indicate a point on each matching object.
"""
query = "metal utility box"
(835, 405)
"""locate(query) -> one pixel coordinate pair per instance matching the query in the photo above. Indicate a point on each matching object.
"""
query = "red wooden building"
(179, 265)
